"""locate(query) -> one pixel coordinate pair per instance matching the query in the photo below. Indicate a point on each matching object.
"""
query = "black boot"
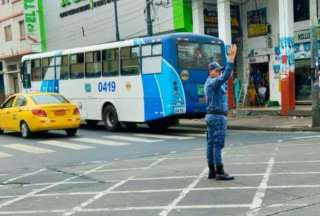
(212, 171)
(222, 175)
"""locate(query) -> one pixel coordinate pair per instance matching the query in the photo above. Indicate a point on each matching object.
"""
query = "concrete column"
(224, 21)
(286, 50)
(224, 25)
(198, 16)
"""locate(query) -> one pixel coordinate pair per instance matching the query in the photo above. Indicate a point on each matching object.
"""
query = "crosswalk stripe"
(133, 139)
(67, 145)
(196, 134)
(29, 149)
(160, 136)
(101, 142)
(4, 155)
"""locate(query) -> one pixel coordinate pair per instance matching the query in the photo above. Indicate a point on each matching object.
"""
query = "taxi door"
(6, 114)
(18, 111)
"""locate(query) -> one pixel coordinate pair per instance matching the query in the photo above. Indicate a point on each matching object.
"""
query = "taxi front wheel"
(24, 130)
(71, 132)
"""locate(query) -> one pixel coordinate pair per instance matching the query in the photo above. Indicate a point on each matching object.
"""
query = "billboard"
(257, 22)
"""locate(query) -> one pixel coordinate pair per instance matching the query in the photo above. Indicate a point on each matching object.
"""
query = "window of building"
(130, 60)
(22, 30)
(151, 58)
(77, 66)
(110, 62)
(301, 10)
(8, 33)
(48, 68)
(93, 64)
(36, 70)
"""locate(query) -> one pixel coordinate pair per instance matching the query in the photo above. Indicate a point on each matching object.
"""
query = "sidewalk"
(262, 122)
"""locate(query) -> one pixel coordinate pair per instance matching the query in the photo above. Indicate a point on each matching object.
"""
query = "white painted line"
(100, 142)
(166, 211)
(66, 145)
(133, 139)
(95, 198)
(213, 206)
(36, 191)
(258, 198)
(28, 149)
(24, 175)
(305, 137)
(161, 136)
(31, 212)
(120, 169)
(5, 155)
(163, 178)
(196, 134)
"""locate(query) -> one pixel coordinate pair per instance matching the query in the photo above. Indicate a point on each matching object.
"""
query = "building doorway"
(303, 80)
(258, 89)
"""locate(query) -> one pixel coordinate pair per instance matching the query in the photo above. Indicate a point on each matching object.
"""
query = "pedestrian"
(216, 118)
(252, 94)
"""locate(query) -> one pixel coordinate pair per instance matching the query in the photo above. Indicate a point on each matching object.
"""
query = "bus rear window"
(192, 55)
(49, 99)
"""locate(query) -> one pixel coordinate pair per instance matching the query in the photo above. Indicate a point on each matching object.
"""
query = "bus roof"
(125, 43)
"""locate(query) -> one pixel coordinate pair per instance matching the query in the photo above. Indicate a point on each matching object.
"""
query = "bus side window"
(26, 74)
(130, 64)
(77, 66)
(36, 70)
(48, 68)
(151, 58)
(110, 62)
(93, 64)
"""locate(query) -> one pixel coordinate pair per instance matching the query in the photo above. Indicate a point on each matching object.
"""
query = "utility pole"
(315, 63)
(116, 19)
(149, 19)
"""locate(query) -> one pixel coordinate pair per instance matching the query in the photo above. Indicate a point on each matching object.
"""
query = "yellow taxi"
(36, 112)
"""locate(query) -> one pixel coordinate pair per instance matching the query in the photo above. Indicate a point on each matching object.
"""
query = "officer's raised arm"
(221, 78)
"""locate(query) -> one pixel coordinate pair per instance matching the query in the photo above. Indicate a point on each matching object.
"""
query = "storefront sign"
(257, 22)
(211, 20)
(32, 23)
(302, 43)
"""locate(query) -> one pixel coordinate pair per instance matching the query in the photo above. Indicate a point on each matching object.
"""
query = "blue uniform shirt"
(215, 91)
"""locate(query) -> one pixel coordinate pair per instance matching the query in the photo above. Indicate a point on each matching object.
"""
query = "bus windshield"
(197, 56)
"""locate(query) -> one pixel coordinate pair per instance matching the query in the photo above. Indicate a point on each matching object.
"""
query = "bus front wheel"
(110, 118)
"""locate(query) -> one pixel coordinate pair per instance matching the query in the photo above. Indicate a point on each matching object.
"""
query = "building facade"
(19, 35)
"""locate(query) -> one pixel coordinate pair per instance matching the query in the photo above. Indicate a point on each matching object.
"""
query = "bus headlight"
(184, 75)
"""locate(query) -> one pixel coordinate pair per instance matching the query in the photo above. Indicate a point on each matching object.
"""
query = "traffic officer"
(216, 118)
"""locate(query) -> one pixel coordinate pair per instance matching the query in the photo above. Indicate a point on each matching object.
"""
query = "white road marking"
(28, 149)
(305, 137)
(100, 142)
(36, 191)
(132, 139)
(161, 136)
(258, 198)
(5, 155)
(66, 145)
(23, 176)
(166, 211)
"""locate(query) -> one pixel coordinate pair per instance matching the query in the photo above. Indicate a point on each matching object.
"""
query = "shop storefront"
(303, 76)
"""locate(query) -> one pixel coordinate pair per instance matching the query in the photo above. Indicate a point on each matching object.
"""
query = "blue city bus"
(154, 80)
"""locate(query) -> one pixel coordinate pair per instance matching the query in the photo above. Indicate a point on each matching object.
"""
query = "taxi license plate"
(59, 112)
(200, 89)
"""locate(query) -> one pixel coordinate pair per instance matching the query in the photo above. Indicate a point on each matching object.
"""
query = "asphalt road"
(142, 173)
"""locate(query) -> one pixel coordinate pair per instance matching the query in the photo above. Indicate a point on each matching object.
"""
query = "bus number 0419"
(108, 86)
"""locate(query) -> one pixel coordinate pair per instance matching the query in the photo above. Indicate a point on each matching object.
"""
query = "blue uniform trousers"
(216, 133)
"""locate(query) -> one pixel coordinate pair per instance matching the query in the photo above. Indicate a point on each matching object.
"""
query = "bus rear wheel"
(110, 118)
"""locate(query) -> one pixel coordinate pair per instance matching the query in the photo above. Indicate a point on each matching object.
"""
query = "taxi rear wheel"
(25, 130)
(71, 132)
(110, 119)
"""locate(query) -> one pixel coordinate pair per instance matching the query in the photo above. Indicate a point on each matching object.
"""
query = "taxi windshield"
(194, 55)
